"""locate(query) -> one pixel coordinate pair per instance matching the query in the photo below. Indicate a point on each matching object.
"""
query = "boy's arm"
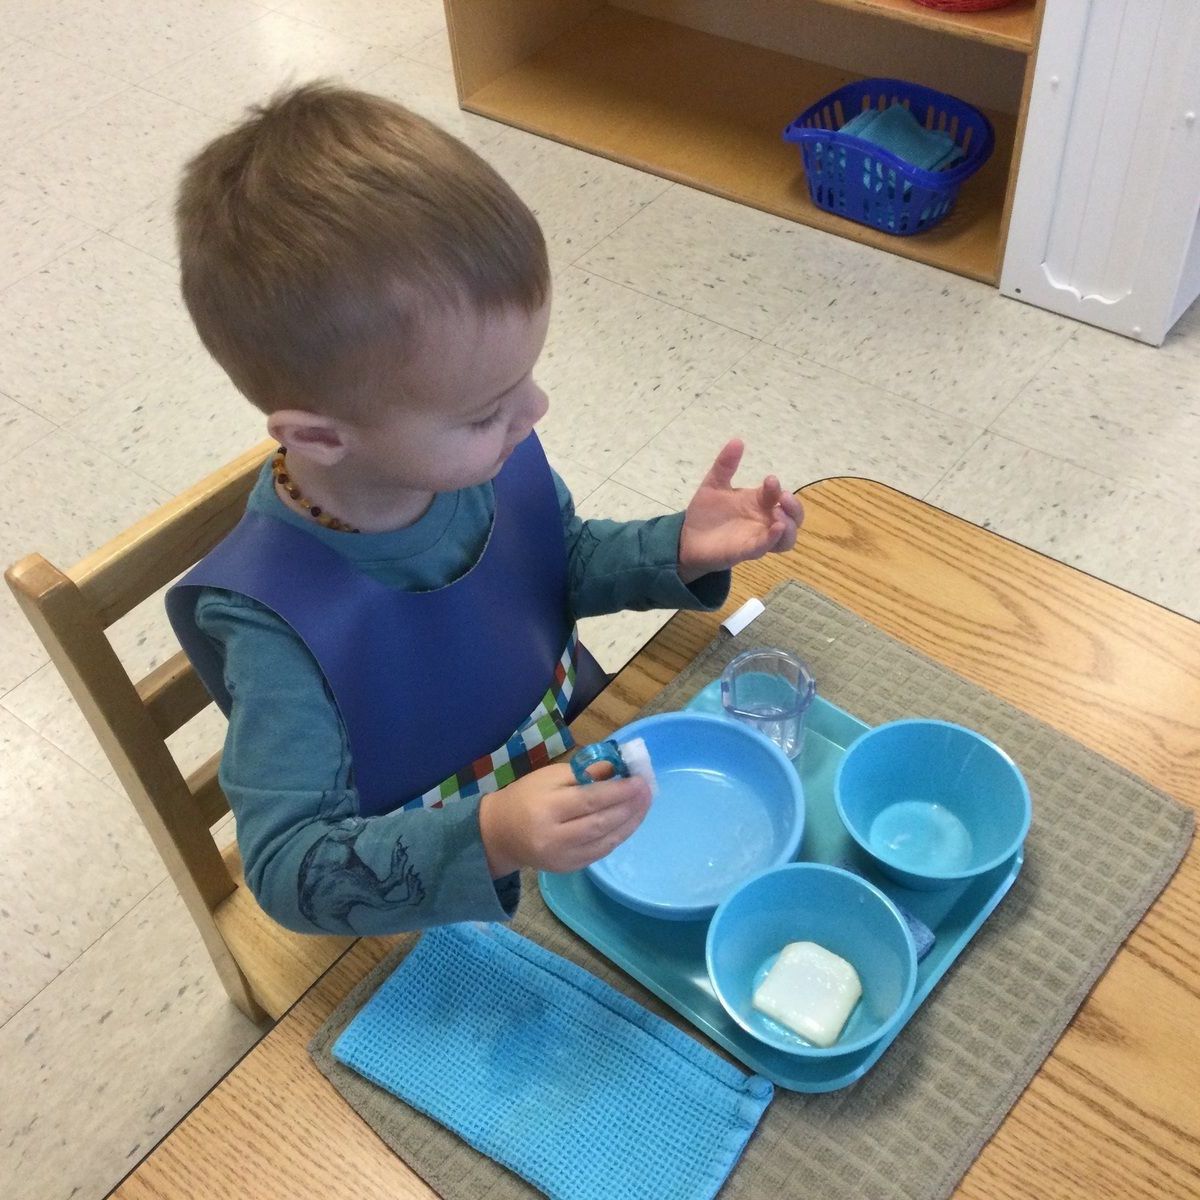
(617, 565)
(315, 865)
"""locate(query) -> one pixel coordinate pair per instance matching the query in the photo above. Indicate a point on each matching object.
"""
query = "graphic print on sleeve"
(334, 880)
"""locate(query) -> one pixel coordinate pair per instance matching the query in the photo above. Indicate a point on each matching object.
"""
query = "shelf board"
(709, 112)
(1012, 27)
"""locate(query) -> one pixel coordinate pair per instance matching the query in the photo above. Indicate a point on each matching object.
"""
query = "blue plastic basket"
(863, 182)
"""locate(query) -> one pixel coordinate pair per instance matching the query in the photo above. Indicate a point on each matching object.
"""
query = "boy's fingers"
(725, 466)
(606, 844)
(604, 831)
(792, 506)
(597, 825)
(771, 492)
(559, 773)
(786, 538)
(600, 771)
(594, 800)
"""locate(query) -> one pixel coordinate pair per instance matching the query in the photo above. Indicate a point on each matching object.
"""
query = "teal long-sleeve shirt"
(314, 864)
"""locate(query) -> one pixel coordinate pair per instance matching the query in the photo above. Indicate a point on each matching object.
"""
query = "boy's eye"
(490, 419)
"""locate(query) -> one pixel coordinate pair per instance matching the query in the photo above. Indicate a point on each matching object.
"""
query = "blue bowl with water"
(932, 803)
(729, 804)
(813, 902)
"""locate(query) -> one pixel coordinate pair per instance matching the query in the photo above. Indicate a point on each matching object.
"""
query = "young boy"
(391, 628)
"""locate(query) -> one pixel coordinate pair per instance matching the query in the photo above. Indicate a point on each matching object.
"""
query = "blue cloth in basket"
(546, 1069)
(895, 129)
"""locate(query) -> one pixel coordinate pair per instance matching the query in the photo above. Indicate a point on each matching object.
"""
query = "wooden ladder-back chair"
(263, 966)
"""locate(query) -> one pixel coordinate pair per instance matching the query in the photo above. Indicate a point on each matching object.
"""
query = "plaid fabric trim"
(541, 737)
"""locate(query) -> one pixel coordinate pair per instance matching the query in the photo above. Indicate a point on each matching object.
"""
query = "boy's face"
(466, 399)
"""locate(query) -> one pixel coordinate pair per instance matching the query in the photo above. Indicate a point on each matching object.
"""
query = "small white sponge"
(810, 990)
(637, 759)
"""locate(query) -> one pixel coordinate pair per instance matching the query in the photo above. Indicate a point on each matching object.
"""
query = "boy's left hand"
(724, 525)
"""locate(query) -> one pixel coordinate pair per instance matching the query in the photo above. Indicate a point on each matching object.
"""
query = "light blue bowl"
(812, 902)
(932, 803)
(729, 804)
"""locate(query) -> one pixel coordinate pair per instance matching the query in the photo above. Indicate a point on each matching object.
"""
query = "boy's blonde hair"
(314, 236)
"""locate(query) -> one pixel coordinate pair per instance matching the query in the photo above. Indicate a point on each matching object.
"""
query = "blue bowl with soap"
(839, 921)
(728, 804)
(932, 803)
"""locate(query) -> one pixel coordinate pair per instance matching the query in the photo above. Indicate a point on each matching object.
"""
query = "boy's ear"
(308, 435)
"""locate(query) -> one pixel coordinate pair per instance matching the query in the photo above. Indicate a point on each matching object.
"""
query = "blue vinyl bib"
(426, 683)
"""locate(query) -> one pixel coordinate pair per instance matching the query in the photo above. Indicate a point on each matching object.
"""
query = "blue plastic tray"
(668, 956)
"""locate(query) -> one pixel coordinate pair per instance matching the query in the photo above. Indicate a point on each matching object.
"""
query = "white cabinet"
(1106, 216)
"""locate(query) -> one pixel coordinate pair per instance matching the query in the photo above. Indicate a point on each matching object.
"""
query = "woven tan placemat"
(1103, 844)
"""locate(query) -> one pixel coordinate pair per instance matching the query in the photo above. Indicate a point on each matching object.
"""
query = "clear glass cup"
(771, 691)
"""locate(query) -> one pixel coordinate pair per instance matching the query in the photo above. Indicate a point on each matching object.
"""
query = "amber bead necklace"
(318, 514)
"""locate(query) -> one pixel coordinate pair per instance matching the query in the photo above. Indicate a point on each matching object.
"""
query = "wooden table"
(1114, 1112)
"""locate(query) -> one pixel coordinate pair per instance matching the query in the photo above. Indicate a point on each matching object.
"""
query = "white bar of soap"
(810, 990)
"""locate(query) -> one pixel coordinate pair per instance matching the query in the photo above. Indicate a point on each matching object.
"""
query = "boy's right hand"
(548, 821)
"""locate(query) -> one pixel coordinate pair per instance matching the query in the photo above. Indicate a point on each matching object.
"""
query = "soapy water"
(707, 832)
(916, 835)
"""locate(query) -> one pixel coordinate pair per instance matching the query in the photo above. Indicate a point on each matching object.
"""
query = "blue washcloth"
(922, 935)
(898, 131)
(551, 1072)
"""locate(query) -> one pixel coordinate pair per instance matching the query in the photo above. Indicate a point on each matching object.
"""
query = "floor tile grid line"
(954, 465)
(42, 130)
(289, 81)
(363, 83)
(305, 20)
(76, 759)
(164, 877)
(100, 936)
(999, 414)
(149, 91)
(1043, 361)
(54, 425)
(15, 183)
(60, 253)
(640, 494)
(667, 186)
(410, 53)
(765, 341)
(32, 547)
(765, 336)
(126, 86)
(755, 344)
(260, 11)
(1089, 468)
(228, 35)
(650, 295)
(126, 242)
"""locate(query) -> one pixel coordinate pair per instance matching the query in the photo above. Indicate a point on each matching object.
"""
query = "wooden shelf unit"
(700, 109)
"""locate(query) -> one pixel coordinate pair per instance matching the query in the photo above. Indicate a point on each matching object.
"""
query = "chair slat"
(110, 702)
(173, 694)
